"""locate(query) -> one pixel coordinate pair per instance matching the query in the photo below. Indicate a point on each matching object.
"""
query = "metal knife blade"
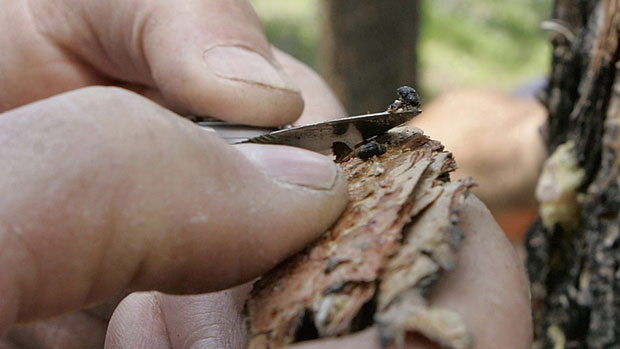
(321, 136)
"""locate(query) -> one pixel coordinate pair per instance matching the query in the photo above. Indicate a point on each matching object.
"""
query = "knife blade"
(350, 131)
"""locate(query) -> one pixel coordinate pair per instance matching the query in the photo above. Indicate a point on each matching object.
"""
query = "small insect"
(407, 99)
(369, 150)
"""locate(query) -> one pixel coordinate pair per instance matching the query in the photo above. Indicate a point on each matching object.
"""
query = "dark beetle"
(407, 99)
(369, 150)
(409, 96)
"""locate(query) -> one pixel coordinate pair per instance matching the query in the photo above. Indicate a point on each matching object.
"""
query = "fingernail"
(240, 64)
(293, 165)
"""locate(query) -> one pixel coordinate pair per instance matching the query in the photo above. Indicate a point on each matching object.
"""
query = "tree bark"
(574, 249)
(369, 49)
(398, 235)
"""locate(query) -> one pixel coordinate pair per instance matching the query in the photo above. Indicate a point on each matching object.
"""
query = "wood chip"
(374, 266)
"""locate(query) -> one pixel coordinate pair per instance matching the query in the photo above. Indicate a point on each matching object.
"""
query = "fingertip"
(296, 195)
(217, 62)
(294, 166)
(230, 82)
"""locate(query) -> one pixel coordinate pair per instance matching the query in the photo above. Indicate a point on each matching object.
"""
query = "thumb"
(204, 57)
(104, 190)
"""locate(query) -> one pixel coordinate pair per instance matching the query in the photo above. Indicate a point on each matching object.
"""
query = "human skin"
(106, 192)
(486, 119)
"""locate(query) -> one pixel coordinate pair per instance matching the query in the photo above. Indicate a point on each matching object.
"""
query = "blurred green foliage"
(491, 43)
(293, 26)
(463, 43)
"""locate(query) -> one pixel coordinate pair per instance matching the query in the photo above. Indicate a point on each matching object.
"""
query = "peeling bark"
(374, 266)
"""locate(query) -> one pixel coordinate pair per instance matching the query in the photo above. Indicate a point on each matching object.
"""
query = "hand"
(102, 186)
(104, 191)
(201, 57)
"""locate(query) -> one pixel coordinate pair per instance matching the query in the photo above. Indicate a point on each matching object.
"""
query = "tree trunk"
(369, 50)
(574, 249)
